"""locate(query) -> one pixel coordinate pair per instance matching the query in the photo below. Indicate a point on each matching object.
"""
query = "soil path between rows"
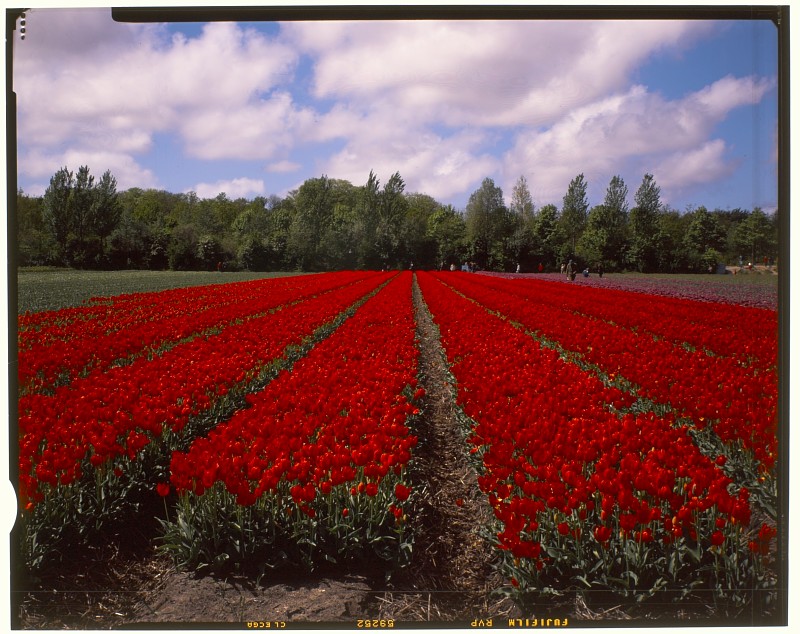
(451, 576)
(450, 579)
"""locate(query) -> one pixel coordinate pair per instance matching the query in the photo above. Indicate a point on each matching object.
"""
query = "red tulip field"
(624, 445)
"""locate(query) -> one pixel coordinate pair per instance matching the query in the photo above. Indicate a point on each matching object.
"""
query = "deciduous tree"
(704, 237)
(447, 228)
(548, 236)
(488, 226)
(755, 236)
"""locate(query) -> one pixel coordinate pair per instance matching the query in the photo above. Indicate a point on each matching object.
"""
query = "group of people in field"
(571, 270)
(469, 267)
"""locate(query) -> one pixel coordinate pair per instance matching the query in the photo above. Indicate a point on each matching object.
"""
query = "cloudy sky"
(256, 108)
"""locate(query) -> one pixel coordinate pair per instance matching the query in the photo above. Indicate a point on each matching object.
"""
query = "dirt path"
(450, 577)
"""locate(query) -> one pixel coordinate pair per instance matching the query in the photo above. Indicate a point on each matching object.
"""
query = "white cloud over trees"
(427, 99)
(234, 188)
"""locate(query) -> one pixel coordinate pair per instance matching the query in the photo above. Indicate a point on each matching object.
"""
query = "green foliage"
(391, 209)
(129, 246)
(57, 208)
(548, 237)
(212, 531)
(604, 242)
(703, 240)
(417, 245)
(81, 215)
(592, 245)
(646, 240)
(673, 256)
(489, 226)
(75, 516)
(447, 229)
(209, 253)
(710, 259)
(35, 242)
(85, 253)
(574, 211)
(521, 242)
(330, 224)
(521, 200)
(182, 249)
(755, 237)
(647, 566)
(609, 223)
(253, 255)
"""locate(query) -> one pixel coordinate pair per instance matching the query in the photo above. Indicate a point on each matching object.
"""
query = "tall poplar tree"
(82, 198)
(522, 211)
(57, 208)
(106, 211)
(644, 229)
(574, 210)
(521, 199)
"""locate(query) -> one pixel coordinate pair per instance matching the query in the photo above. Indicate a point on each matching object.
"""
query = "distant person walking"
(571, 270)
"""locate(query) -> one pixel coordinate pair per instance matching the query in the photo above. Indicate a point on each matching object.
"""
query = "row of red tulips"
(586, 496)
(744, 333)
(60, 350)
(709, 389)
(110, 416)
(51, 325)
(318, 456)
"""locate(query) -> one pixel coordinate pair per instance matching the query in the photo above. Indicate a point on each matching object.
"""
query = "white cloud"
(565, 87)
(129, 173)
(697, 166)
(729, 92)
(251, 131)
(482, 73)
(428, 99)
(439, 166)
(235, 188)
(133, 82)
(636, 132)
(151, 85)
(283, 167)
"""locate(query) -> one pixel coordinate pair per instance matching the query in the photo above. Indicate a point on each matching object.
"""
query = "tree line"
(330, 224)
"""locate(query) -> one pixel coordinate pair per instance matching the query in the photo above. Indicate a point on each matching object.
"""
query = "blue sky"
(255, 109)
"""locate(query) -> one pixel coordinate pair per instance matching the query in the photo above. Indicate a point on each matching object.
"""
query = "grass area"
(756, 277)
(41, 289)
